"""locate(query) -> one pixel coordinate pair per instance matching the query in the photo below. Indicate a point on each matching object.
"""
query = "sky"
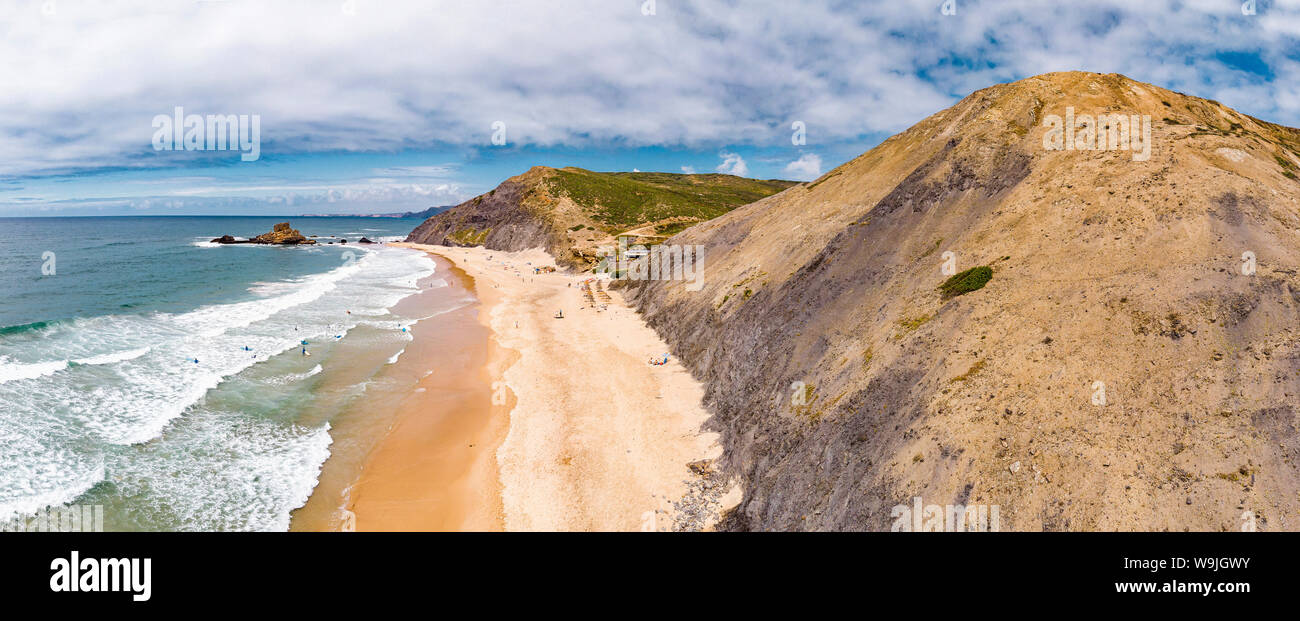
(379, 106)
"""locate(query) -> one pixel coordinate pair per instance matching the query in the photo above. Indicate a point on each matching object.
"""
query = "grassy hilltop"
(572, 212)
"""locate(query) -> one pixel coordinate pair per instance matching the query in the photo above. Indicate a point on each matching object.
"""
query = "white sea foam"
(40, 470)
(267, 289)
(134, 376)
(29, 487)
(265, 471)
(206, 242)
(112, 357)
(293, 378)
(13, 371)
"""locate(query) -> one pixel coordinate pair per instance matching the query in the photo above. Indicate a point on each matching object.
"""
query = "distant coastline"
(409, 214)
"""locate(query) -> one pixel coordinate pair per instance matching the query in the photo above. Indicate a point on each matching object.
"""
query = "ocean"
(149, 371)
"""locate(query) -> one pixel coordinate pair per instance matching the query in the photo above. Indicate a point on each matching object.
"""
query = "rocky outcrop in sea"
(282, 234)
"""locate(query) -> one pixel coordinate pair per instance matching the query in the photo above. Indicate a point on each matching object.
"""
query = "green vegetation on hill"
(967, 281)
(668, 230)
(623, 200)
(470, 237)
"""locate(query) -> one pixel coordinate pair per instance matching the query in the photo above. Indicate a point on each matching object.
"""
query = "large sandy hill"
(1111, 274)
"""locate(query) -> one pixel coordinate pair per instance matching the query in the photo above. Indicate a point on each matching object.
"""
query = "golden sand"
(527, 422)
(597, 439)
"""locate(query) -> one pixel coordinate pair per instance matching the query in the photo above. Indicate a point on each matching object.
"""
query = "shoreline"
(435, 469)
(421, 455)
(595, 438)
(503, 417)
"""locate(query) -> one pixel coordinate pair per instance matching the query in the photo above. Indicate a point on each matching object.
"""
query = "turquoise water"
(162, 376)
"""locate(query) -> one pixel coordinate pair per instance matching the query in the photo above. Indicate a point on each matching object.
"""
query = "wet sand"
(421, 457)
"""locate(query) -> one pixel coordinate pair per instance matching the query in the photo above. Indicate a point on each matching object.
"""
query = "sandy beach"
(589, 436)
(419, 451)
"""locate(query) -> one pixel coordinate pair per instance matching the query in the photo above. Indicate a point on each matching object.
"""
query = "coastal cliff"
(1133, 361)
(572, 212)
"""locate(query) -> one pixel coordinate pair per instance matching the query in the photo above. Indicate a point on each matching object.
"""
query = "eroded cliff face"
(504, 219)
(1119, 370)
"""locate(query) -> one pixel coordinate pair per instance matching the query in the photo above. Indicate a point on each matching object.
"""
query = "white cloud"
(80, 85)
(690, 170)
(806, 168)
(732, 164)
(421, 172)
